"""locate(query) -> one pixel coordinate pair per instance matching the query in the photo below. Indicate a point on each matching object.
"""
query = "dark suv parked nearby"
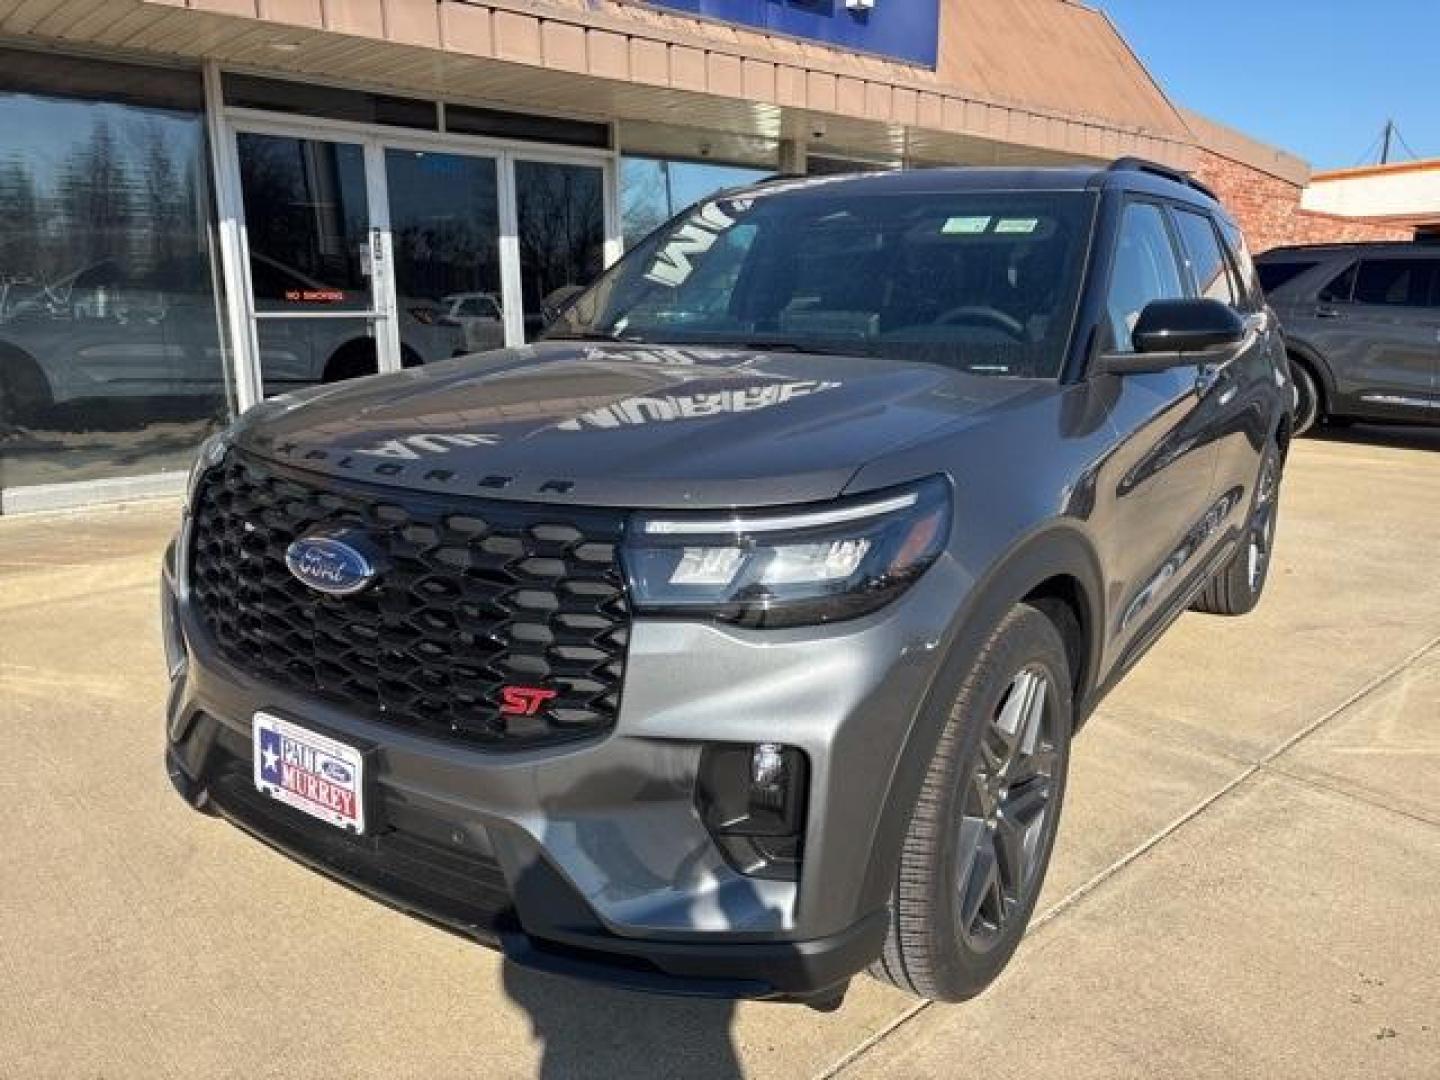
(731, 639)
(1362, 327)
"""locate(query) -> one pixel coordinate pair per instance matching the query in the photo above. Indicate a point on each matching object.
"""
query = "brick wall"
(1268, 208)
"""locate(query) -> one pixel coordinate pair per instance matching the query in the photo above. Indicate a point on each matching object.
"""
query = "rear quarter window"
(1276, 275)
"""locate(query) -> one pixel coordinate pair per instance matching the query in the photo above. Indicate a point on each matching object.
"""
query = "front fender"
(1060, 552)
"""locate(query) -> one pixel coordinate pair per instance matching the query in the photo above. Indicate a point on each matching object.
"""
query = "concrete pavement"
(1247, 880)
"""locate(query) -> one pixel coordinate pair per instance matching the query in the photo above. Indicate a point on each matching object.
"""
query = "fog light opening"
(752, 799)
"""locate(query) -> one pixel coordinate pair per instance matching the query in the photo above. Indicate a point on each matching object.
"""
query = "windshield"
(986, 282)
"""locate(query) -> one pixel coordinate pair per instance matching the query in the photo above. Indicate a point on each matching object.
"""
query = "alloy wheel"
(1007, 807)
(1262, 522)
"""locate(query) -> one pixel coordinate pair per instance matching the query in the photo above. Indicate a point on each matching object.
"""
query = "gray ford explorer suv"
(731, 639)
(1362, 327)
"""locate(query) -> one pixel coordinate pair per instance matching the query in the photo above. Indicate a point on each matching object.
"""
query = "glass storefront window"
(560, 211)
(445, 232)
(111, 357)
(307, 220)
(652, 191)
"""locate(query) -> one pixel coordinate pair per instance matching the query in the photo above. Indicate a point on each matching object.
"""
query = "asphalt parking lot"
(1247, 881)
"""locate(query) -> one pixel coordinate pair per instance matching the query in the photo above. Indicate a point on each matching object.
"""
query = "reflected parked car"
(100, 333)
(1362, 327)
(479, 316)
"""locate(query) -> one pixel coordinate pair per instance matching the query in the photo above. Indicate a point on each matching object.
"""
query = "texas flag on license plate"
(309, 771)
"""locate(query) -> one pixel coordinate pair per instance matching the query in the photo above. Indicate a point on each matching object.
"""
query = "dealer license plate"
(310, 771)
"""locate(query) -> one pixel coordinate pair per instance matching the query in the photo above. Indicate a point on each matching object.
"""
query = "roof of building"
(1056, 54)
(1393, 168)
(1230, 143)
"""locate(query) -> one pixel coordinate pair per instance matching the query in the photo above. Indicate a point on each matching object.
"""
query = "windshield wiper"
(593, 335)
(764, 344)
(802, 347)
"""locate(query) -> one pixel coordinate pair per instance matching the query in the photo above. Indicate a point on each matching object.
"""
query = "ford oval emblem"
(331, 563)
(335, 771)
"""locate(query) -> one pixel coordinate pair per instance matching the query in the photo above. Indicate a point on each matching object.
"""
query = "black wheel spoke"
(1010, 851)
(1006, 800)
(1026, 803)
(978, 886)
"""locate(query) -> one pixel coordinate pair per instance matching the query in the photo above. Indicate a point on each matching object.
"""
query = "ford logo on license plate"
(337, 564)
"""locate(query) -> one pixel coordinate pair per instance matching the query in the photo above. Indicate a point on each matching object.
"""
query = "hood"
(619, 425)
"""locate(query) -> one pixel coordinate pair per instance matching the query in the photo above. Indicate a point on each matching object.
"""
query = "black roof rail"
(1154, 168)
(1420, 237)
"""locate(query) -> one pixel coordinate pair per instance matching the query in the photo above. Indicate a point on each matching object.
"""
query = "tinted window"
(985, 282)
(444, 227)
(1208, 266)
(1395, 282)
(1276, 275)
(507, 125)
(1145, 271)
(308, 223)
(1341, 287)
(561, 215)
(310, 99)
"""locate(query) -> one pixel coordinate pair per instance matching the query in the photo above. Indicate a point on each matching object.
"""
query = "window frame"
(1196, 293)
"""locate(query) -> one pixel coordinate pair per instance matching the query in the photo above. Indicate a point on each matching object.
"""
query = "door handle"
(1328, 313)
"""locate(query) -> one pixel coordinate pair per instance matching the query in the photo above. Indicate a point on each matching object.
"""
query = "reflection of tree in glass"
(20, 239)
(645, 198)
(305, 206)
(95, 194)
(562, 228)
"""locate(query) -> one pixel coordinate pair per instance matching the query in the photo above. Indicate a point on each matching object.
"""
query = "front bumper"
(590, 859)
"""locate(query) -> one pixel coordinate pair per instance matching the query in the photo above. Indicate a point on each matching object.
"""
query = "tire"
(1309, 406)
(1236, 589)
(25, 396)
(353, 360)
(942, 944)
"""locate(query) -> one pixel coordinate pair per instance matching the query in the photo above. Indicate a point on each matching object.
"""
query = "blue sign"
(906, 30)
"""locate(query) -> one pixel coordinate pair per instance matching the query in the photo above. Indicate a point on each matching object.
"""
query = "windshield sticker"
(637, 411)
(1023, 226)
(414, 447)
(672, 265)
(964, 226)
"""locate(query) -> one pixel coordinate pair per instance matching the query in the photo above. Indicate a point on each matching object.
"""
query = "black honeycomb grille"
(471, 596)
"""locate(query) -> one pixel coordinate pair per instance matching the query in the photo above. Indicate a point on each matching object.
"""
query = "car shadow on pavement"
(1394, 436)
(592, 1031)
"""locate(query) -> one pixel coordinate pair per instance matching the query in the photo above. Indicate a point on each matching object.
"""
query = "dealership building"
(207, 202)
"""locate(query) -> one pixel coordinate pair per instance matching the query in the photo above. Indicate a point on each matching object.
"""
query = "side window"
(1145, 271)
(1276, 275)
(1208, 264)
(1394, 282)
(1341, 288)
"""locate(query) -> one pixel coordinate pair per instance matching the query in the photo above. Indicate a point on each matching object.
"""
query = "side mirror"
(1169, 332)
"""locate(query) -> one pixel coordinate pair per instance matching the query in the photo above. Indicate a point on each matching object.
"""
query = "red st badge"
(523, 700)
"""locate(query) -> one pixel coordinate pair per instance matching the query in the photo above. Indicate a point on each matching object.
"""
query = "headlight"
(788, 568)
(210, 455)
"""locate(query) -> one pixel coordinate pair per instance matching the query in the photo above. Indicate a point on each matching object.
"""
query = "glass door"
(365, 250)
(560, 231)
(315, 260)
(445, 253)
